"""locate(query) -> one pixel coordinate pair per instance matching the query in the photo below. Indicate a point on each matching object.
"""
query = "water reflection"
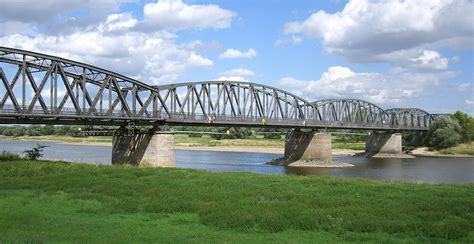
(422, 169)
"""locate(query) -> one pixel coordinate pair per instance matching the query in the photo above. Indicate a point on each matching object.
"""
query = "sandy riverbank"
(426, 152)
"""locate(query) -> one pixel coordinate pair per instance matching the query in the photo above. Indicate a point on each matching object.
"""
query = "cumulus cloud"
(234, 53)
(379, 88)
(145, 49)
(176, 15)
(232, 78)
(367, 31)
(238, 72)
(152, 58)
(44, 10)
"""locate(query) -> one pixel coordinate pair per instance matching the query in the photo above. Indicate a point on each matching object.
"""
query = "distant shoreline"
(419, 152)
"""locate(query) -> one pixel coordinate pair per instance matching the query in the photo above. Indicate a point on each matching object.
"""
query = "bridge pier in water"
(150, 149)
(385, 145)
(306, 145)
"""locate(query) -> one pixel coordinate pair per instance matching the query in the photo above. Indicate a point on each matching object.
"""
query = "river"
(421, 169)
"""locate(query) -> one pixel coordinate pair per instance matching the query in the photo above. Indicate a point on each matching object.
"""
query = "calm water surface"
(421, 169)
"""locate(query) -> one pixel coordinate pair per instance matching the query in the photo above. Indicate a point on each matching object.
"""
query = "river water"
(421, 169)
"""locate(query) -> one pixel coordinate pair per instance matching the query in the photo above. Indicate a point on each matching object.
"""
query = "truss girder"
(35, 85)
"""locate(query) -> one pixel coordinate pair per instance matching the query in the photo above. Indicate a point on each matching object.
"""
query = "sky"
(393, 53)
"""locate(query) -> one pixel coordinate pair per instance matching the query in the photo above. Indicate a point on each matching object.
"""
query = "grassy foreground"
(42, 201)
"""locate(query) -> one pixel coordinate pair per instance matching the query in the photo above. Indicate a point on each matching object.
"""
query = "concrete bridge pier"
(306, 145)
(150, 149)
(385, 145)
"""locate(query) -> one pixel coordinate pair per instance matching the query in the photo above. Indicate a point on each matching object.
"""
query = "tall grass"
(80, 199)
(8, 156)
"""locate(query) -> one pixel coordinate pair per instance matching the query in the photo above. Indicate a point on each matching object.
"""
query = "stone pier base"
(385, 145)
(152, 149)
(306, 145)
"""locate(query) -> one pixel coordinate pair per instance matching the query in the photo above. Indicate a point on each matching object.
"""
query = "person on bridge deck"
(264, 121)
(209, 119)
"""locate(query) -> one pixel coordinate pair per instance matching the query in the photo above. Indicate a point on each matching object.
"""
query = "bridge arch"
(40, 88)
(413, 117)
(351, 111)
(235, 98)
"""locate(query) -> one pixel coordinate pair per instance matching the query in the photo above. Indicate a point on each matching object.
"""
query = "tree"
(444, 133)
(467, 125)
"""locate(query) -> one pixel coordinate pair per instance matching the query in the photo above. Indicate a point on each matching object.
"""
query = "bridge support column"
(306, 145)
(384, 145)
(151, 149)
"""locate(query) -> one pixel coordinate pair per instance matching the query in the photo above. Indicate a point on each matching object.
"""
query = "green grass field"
(464, 148)
(42, 201)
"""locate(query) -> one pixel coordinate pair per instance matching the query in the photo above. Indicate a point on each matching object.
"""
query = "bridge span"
(42, 89)
(38, 88)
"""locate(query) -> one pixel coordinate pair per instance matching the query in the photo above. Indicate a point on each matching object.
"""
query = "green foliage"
(269, 133)
(59, 202)
(412, 140)
(232, 133)
(444, 133)
(35, 153)
(467, 125)
(8, 156)
(15, 131)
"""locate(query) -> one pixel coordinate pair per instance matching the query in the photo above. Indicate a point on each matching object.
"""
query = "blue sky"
(392, 53)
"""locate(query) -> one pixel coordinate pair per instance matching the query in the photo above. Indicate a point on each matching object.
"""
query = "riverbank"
(44, 201)
(205, 143)
(463, 150)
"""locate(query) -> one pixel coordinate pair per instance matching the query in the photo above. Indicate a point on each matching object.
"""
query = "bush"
(15, 131)
(274, 135)
(35, 153)
(444, 133)
(232, 133)
(195, 135)
(34, 130)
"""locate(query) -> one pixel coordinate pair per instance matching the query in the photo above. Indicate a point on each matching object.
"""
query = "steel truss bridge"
(42, 89)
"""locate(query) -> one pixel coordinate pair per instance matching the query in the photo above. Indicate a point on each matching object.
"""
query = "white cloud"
(152, 58)
(144, 49)
(293, 39)
(469, 102)
(232, 78)
(379, 88)
(465, 87)
(117, 22)
(365, 31)
(44, 10)
(234, 53)
(176, 15)
(238, 72)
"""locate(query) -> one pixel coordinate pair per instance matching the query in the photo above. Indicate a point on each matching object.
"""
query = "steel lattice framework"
(39, 88)
(410, 117)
